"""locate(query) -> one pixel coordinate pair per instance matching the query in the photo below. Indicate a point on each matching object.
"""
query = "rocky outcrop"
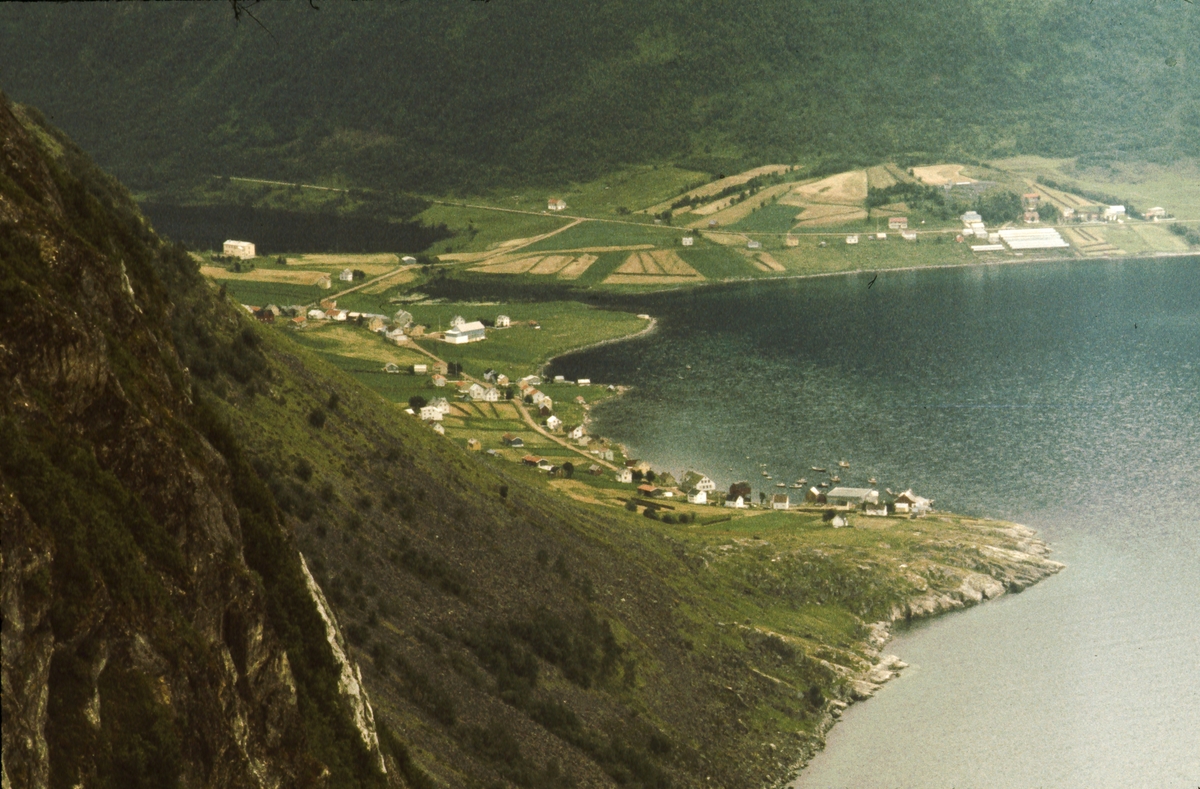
(136, 640)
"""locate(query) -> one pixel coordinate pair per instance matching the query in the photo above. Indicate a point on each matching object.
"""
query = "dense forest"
(466, 96)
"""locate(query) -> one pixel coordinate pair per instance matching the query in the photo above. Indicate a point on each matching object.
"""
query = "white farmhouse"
(346, 276)
(431, 413)
(503, 321)
(238, 249)
(625, 475)
(465, 332)
(553, 423)
(697, 497)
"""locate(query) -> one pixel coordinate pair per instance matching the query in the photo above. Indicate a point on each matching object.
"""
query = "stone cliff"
(139, 646)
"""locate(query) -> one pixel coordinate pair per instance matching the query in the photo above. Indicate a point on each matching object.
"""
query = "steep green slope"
(428, 96)
(509, 635)
(158, 629)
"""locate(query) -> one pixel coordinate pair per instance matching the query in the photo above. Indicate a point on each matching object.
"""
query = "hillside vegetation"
(168, 461)
(438, 96)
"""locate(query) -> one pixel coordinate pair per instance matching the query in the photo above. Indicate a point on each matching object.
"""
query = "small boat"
(801, 481)
(843, 464)
(835, 478)
(819, 469)
(780, 485)
(822, 484)
(794, 485)
(872, 481)
(770, 477)
(763, 473)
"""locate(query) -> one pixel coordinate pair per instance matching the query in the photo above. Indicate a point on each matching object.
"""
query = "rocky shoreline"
(1011, 570)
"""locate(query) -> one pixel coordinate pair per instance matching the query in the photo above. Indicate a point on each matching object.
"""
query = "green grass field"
(264, 293)
(773, 218)
(719, 262)
(477, 229)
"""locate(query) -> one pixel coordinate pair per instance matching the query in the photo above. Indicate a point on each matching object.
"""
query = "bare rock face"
(129, 612)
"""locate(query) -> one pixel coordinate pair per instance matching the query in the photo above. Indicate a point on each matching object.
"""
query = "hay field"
(880, 177)
(727, 239)
(1090, 241)
(551, 264)
(372, 264)
(824, 215)
(662, 266)
(735, 213)
(399, 278)
(716, 186)
(770, 263)
(848, 188)
(566, 266)
(941, 174)
(265, 275)
(575, 269)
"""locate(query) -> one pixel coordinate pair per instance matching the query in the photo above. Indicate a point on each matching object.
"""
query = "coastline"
(649, 328)
(972, 264)
(1021, 569)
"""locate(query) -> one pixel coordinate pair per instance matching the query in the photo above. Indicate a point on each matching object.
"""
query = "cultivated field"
(941, 174)
(730, 214)
(849, 188)
(264, 275)
(716, 186)
(659, 267)
(373, 265)
(566, 266)
(826, 215)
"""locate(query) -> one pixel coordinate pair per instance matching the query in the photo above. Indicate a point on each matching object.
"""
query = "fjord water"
(1065, 396)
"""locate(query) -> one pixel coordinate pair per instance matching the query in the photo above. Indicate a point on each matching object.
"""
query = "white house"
(408, 260)
(625, 475)
(457, 321)
(694, 480)
(1156, 213)
(971, 217)
(346, 276)
(465, 333)
(553, 423)
(753, 245)
(474, 392)
(439, 379)
(897, 223)
(839, 521)
(239, 249)
(688, 241)
(909, 235)
(420, 369)
(875, 509)
(431, 413)
(780, 501)
(396, 335)
(503, 321)
(1114, 213)
(576, 432)
(738, 504)
(491, 395)
(316, 315)
(438, 428)
(537, 397)
(584, 382)
(324, 282)
(441, 404)
(402, 318)
(554, 204)
(851, 497)
(910, 502)
(851, 239)
(697, 497)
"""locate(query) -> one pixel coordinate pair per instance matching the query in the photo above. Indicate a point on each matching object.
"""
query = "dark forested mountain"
(427, 95)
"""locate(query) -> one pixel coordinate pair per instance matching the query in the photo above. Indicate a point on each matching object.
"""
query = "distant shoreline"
(973, 264)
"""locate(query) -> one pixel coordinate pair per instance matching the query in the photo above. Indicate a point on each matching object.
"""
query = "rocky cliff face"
(138, 647)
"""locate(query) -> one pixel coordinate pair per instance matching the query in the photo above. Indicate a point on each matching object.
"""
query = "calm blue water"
(1064, 396)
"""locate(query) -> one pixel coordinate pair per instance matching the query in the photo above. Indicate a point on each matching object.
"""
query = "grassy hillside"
(426, 96)
(512, 630)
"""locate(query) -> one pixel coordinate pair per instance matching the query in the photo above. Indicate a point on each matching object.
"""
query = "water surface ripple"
(1063, 396)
